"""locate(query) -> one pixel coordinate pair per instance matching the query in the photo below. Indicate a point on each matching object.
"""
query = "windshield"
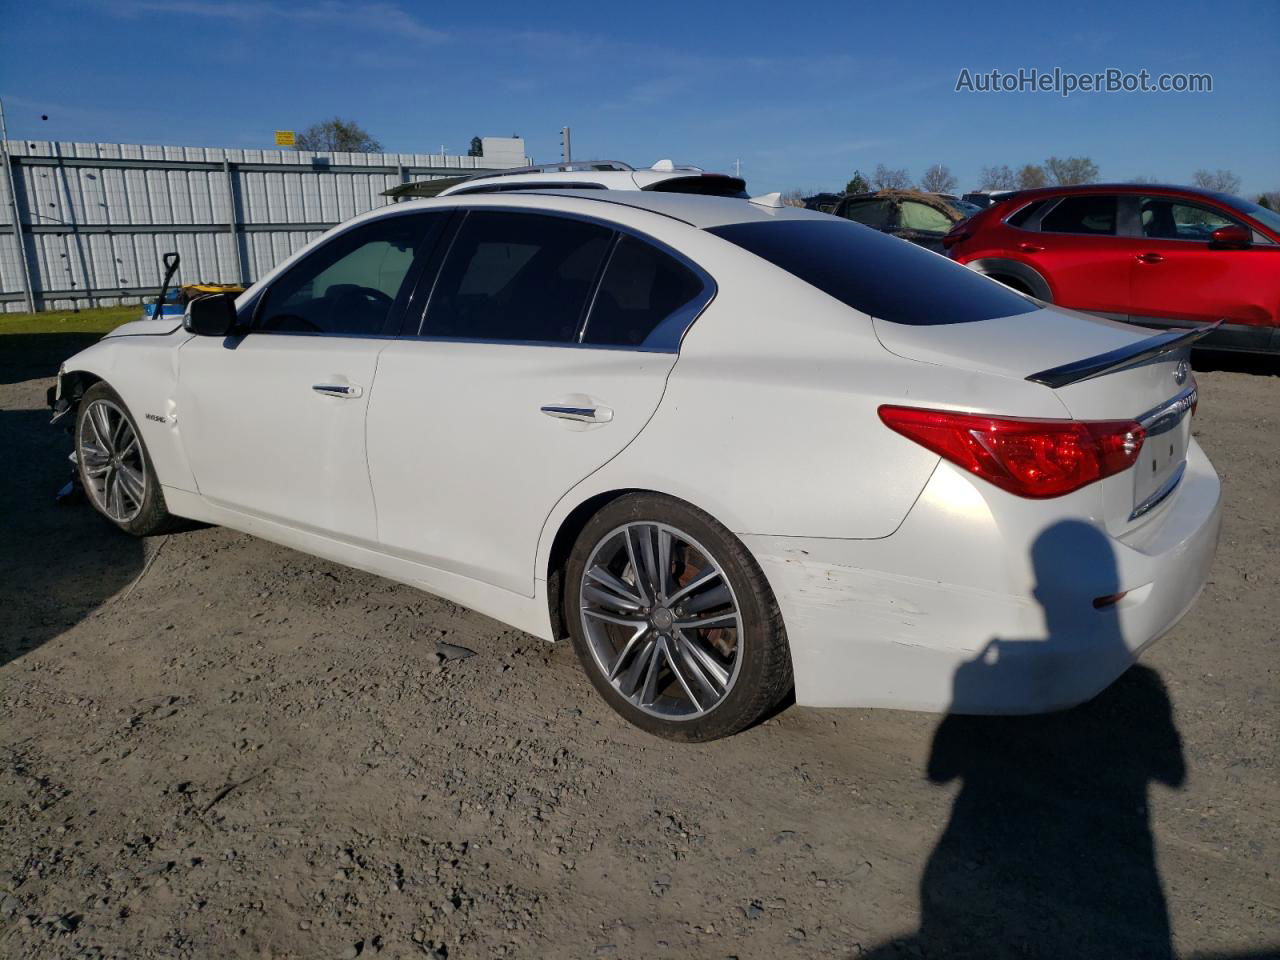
(1268, 218)
(875, 273)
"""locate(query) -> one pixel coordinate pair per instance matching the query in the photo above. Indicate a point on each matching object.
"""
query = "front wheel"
(115, 468)
(673, 620)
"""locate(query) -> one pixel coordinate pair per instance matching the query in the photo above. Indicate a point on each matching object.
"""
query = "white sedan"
(730, 448)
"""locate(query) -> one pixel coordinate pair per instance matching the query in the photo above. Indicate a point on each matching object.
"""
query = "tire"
(127, 491)
(672, 676)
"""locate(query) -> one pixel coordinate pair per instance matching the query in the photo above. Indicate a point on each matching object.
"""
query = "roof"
(1107, 188)
(694, 209)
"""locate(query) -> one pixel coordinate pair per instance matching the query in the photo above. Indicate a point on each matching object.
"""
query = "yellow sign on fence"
(285, 138)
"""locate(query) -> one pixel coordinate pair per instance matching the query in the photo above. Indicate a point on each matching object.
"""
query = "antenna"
(566, 149)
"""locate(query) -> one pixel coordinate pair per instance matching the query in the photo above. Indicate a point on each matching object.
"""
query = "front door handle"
(343, 391)
(1150, 258)
(1030, 247)
(584, 414)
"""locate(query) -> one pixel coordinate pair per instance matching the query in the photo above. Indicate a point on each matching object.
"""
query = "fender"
(141, 364)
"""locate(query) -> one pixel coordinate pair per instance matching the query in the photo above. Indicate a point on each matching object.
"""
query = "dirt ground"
(214, 747)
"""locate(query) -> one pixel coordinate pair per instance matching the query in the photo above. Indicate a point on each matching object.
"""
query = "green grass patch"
(97, 320)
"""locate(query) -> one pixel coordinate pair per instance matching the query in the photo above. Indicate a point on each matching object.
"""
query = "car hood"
(151, 327)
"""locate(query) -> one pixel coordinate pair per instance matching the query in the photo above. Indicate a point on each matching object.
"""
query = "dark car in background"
(1159, 256)
(922, 218)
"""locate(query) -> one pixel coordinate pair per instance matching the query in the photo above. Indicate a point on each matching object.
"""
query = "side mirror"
(1234, 237)
(211, 316)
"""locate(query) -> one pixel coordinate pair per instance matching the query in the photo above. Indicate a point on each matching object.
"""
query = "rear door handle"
(343, 391)
(1150, 258)
(596, 414)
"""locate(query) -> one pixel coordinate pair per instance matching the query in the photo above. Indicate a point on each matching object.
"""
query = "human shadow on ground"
(57, 563)
(1048, 852)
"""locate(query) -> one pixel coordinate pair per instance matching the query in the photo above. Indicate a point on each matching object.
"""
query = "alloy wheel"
(661, 620)
(111, 461)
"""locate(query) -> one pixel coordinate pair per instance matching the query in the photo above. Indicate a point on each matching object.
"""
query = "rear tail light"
(1030, 458)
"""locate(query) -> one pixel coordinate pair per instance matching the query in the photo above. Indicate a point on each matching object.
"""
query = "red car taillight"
(1030, 458)
(956, 235)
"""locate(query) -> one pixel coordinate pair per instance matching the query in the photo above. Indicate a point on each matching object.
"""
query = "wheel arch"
(996, 267)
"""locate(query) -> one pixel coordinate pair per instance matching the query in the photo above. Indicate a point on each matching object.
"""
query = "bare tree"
(885, 178)
(1031, 176)
(938, 179)
(857, 183)
(794, 198)
(998, 178)
(1270, 200)
(1144, 178)
(1064, 171)
(338, 136)
(1221, 181)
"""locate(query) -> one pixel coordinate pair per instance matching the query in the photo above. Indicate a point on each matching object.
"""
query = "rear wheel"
(673, 620)
(115, 468)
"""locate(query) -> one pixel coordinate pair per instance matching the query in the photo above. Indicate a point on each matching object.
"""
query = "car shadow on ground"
(1048, 851)
(57, 563)
(26, 356)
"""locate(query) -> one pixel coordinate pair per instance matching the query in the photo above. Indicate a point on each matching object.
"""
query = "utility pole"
(566, 149)
(737, 169)
(17, 219)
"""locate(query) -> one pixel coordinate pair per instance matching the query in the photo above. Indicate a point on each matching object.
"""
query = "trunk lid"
(1157, 390)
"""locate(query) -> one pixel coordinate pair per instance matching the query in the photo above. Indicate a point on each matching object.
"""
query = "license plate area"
(1164, 453)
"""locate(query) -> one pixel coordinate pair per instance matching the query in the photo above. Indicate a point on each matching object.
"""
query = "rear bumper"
(979, 604)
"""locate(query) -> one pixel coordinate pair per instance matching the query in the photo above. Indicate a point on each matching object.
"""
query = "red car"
(1154, 255)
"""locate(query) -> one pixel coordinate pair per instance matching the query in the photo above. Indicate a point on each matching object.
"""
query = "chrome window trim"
(666, 337)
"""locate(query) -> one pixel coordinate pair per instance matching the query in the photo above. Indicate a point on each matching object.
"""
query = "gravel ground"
(213, 746)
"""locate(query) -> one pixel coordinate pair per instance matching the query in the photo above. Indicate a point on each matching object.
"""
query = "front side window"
(517, 277)
(1166, 219)
(348, 286)
(871, 213)
(922, 217)
(641, 288)
(1088, 214)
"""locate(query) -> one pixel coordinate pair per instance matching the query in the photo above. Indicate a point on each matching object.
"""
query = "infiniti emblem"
(1180, 372)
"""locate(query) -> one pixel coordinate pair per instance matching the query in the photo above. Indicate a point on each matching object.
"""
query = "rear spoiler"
(1123, 357)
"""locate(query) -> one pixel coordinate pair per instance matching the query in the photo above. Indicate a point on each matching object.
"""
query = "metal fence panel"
(95, 218)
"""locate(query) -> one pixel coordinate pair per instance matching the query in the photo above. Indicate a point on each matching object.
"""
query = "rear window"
(704, 184)
(1087, 214)
(875, 273)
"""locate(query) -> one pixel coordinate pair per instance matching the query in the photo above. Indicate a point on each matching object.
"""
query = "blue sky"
(801, 93)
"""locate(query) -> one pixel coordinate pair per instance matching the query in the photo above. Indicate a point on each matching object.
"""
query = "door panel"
(465, 463)
(1077, 250)
(261, 439)
(273, 421)
(1177, 275)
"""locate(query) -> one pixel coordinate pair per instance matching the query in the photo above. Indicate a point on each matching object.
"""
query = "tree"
(938, 179)
(1064, 171)
(476, 149)
(1031, 176)
(890, 179)
(1269, 200)
(998, 178)
(1221, 181)
(1143, 178)
(337, 136)
(858, 184)
(794, 198)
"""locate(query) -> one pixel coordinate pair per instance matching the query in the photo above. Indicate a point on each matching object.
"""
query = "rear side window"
(1026, 213)
(642, 287)
(1090, 215)
(517, 277)
(875, 273)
